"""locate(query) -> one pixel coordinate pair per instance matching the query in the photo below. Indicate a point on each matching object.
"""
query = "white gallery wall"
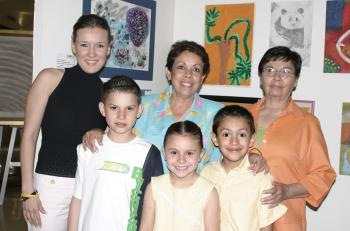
(328, 91)
(184, 19)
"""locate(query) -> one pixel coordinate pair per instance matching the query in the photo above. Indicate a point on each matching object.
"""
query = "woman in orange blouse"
(291, 141)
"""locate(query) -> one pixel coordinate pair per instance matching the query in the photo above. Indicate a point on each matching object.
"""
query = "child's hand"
(90, 137)
(257, 163)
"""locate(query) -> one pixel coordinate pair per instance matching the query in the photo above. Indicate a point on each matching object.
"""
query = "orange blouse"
(296, 152)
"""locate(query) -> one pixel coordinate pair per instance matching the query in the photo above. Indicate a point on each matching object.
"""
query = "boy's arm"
(74, 208)
(266, 228)
(152, 167)
(148, 211)
(212, 212)
(74, 212)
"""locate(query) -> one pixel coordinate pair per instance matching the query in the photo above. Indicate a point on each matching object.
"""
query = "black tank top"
(71, 110)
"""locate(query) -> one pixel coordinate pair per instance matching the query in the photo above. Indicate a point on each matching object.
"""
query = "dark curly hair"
(181, 46)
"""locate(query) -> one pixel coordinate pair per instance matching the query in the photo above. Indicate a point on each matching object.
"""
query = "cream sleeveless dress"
(180, 208)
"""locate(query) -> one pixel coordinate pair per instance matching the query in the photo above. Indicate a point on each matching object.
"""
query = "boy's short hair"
(233, 111)
(121, 83)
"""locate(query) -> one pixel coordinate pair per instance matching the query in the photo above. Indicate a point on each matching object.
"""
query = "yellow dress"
(180, 208)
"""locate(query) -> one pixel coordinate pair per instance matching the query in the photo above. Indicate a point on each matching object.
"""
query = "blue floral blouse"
(157, 117)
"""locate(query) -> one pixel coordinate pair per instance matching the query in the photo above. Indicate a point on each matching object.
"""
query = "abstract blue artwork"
(132, 24)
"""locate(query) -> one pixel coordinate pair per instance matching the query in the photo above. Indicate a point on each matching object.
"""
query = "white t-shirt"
(109, 182)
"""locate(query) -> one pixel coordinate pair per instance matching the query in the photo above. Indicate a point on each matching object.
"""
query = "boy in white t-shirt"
(110, 184)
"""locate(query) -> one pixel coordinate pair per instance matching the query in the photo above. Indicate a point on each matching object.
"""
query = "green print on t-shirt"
(115, 167)
(135, 198)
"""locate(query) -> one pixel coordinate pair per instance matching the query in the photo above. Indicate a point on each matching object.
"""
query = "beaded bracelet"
(25, 196)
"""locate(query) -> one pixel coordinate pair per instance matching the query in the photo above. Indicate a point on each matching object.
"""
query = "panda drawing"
(288, 27)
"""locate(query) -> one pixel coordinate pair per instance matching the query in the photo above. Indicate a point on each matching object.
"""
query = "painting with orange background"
(344, 166)
(228, 41)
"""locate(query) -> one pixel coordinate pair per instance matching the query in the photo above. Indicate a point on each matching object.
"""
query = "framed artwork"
(307, 105)
(228, 41)
(132, 24)
(246, 102)
(344, 165)
(291, 26)
(337, 37)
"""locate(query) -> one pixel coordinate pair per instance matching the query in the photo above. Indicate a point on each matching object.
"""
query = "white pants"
(55, 195)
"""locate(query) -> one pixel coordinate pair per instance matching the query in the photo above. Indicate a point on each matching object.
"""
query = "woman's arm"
(212, 212)
(74, 212)
(320, 174)
(37, 98)
(148, 211)
(280, 192)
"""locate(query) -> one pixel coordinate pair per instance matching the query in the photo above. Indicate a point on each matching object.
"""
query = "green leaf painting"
(228, 40)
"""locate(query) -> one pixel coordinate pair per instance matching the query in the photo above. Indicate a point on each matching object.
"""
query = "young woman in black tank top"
(64, 104)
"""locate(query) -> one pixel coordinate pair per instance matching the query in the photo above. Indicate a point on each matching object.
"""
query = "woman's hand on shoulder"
(90, 138)
(257, 163)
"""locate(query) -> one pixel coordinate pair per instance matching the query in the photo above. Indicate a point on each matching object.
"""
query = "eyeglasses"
(283, 73)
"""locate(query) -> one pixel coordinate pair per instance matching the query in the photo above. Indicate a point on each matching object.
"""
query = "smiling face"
(182, 155)
(274, 86)
(91, 48)
(186, 75)
(234, 139)
(121, 110)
